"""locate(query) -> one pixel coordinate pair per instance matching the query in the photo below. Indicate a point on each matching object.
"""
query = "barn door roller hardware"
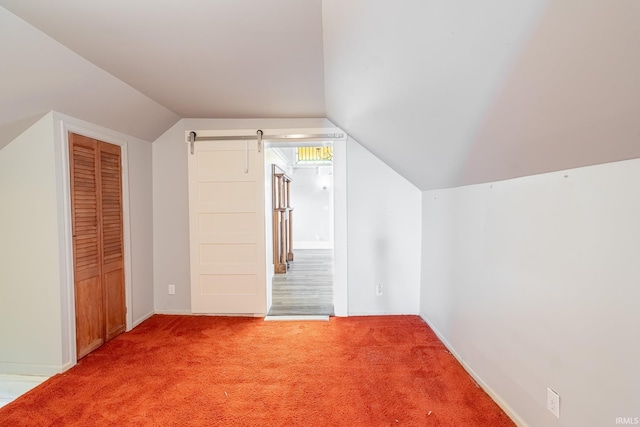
(260, 137)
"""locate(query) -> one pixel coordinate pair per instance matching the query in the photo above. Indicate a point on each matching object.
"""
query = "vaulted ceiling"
(447, 93)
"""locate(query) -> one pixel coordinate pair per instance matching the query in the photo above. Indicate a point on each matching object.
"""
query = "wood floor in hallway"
(307, 288)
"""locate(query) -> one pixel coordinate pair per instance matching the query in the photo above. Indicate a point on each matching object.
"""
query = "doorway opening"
(301, 211)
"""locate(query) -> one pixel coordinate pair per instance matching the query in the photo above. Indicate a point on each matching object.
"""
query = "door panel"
(112, 239)
(226, 210)
(114, 302)
(228, 284)
(85, 207)
(89, 321)
(96, 211)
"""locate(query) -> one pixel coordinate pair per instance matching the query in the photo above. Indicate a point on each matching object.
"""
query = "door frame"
(340, 264)
(62, 126)
(340, 268)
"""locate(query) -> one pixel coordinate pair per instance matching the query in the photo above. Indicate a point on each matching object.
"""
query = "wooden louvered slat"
(84, 261)
(87, 245)
(88, 254)
(111, 204)
(88, 228)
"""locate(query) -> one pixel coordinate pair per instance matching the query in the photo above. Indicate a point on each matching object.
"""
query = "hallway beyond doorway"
(307, 287)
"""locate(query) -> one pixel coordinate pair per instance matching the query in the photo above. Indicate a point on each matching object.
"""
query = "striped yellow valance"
(315, 154)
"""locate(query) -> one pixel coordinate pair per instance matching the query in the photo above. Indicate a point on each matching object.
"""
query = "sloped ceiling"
(38, 75)
(450, 93)
(447, 93)
(188, 58)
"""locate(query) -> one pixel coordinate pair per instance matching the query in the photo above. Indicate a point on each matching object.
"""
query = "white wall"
(533, 282)
(171, 203)
(171, 222)
(30, 315)
(340, 229)
(141, 226)
(41, 75)
(384, 236)
(137, 204)
(451, 93)
(382, 228)
(37, 323)
(312, 200)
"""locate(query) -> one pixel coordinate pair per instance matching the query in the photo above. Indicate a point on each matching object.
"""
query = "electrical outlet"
(553, 402)
(379, 290)
(172, 289)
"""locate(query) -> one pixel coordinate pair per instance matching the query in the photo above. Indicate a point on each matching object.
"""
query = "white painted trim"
(340, 242)
(142, 319)
(278, 153)
(313, 244)
(13, 386)
(496, 398)
(177, 313)
(188, 313)
(382, 313)
(28, 380)
(65, 246)
(32, 369)
(65, 124)
(340, 290)
(297, 318)
(66, 366)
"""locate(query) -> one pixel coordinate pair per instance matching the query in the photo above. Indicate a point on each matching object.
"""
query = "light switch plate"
(553, 402)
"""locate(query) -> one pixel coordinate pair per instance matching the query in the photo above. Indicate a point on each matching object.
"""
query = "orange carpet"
(219, 371)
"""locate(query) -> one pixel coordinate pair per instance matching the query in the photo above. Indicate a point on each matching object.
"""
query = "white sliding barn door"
(227, 228)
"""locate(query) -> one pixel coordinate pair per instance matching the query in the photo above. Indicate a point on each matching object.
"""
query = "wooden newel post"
(289, 221)
(282, 223)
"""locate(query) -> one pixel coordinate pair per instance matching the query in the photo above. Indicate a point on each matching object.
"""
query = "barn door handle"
(246, 157)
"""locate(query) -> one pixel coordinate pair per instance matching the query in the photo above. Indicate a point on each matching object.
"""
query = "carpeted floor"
(220, 371)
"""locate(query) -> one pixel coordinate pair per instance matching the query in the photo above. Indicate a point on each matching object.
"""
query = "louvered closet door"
(86, 243)
(96, 207)
(112, 239)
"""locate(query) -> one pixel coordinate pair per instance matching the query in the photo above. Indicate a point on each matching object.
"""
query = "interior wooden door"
(85, 206)
(96, 212)
(112, 239)
(227, 227)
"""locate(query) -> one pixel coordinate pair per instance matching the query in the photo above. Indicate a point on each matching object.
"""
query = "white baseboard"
(296, 318)
(67, 366)
(175, 312)
(188, 313)
(28, 369)
(12, 386)
(312, 245)
(142, 319)
(382, 313)
(496, 398)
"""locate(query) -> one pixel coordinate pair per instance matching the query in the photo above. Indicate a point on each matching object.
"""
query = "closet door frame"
(68, 289)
